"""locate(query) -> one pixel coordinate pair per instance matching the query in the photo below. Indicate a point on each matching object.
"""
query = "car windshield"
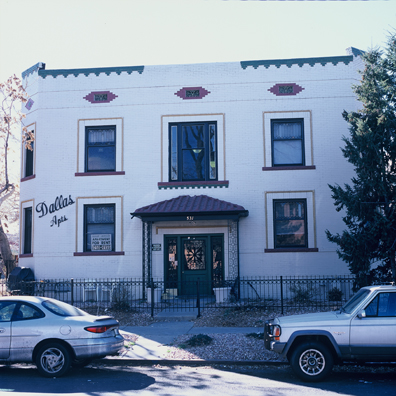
(350, 305)
(62, 309)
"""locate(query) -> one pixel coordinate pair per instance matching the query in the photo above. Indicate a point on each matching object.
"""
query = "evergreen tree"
(370, 200)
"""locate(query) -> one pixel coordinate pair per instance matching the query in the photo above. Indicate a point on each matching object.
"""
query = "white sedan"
(53, 335)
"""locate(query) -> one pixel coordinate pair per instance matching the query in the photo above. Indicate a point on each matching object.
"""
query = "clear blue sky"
(103, 33)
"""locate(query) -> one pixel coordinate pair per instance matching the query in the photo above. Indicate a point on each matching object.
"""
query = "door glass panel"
(194, 254)
(217, 260)
(172, 261)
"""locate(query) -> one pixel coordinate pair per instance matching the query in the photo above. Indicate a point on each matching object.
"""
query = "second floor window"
(193, 151)
(100, 153)
(287, 142)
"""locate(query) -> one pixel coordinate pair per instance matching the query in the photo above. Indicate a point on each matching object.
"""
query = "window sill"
(99, 254)
(291, 250)
(25, 255)
(99, 173)
(278, 168)
(194, 184)
(27, 178)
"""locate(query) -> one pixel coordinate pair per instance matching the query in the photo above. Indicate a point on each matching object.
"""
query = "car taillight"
(98, 329)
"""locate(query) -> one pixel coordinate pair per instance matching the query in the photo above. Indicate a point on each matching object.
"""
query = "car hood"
(310, 319)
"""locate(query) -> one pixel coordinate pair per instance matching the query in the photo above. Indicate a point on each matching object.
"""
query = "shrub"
(335, 294)
(199, 340)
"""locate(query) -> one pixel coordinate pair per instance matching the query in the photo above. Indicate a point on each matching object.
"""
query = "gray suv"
(363, 330)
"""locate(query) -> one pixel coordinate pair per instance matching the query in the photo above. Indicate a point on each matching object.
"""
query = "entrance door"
(195, 265)
(189, 258)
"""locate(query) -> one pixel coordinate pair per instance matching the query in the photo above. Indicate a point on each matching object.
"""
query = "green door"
(193, 258)
(195, 265)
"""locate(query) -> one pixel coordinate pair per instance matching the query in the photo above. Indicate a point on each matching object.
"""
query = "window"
(100, 154)
(287, 142)
(27, 231)
(383, 305)
(27, 169)
(26, 312)
(193, 151)
(6, 310)
(29, 155)
(99, 226)
(290, 224)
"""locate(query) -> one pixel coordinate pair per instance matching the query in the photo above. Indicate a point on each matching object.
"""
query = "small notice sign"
(156, 247)
(101, 242)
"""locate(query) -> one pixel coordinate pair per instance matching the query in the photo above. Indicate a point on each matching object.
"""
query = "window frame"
(178, 127)
(288, 246)
(269, 116)
(310, 224)
(27, 230)
(273, 140)
(81, 202)
(29, 157)
(83, 125)
(88, 146)
(88, 206)
(24, 252)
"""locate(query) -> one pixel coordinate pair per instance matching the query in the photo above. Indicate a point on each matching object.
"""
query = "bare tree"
(12, 96)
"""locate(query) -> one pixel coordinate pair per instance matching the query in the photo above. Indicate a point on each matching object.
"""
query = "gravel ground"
(237, 347)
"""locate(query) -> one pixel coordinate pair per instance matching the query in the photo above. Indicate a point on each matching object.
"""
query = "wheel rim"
(312, 362)
(52, 360)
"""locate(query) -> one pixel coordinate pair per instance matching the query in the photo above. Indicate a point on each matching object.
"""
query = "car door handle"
(2, 330)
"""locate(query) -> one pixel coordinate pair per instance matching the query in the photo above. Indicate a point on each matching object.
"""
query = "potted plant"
(222, 291)
(153, 290)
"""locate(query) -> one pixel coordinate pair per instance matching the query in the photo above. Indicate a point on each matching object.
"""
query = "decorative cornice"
(76, 72)
(31, 70)
(299, 61)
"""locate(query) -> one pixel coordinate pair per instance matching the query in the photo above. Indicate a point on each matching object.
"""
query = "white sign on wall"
(101, 242)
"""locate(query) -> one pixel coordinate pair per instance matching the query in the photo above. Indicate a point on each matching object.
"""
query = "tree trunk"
(5, 251)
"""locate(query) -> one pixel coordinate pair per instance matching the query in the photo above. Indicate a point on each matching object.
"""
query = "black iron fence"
(267, 293)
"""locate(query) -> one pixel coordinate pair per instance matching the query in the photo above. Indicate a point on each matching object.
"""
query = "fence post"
(72, 290)
(198, 300)
(152, 296)
(281, 285)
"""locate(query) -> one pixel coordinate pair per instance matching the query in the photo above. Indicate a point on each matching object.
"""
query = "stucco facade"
(277, 182)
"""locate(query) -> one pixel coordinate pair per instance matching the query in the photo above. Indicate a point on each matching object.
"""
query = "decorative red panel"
(287, 89)
(100, 97)
(192, 93)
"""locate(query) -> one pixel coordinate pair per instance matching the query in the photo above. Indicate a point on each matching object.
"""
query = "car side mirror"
(361, 314)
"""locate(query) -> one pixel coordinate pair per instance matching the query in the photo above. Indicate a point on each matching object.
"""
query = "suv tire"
(311, 361)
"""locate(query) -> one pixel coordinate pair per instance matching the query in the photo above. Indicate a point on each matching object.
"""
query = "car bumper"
(99, 347)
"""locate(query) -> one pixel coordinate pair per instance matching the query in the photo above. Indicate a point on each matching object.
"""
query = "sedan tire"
(53, 360)
(311, 361)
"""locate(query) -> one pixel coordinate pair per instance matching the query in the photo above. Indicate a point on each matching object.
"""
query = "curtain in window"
(101, 136)
(287, 130)
(100, 214)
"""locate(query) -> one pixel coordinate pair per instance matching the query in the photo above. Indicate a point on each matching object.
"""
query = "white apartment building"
(180, 172)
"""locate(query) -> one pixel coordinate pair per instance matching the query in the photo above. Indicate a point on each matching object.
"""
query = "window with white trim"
(100, 147)
(192, 151)
(290, 223)
(99, 226)
(287, 142)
